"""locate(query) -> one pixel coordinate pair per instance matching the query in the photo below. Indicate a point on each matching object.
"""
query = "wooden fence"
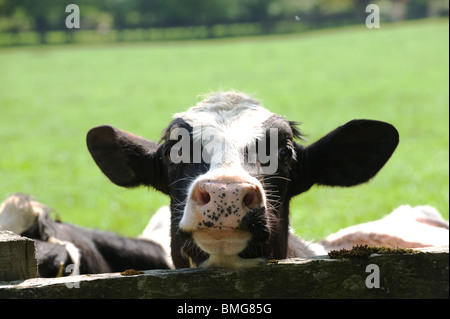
(422, 274)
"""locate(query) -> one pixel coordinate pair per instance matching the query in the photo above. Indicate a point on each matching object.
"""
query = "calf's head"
(230, 168)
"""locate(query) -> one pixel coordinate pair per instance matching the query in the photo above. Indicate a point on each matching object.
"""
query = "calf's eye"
(284, 154)
(170, 151)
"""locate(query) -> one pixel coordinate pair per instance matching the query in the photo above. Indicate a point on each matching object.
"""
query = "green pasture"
(51, 96)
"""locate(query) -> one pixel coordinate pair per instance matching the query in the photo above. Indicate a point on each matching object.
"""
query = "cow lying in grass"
(231, 167)
(64, 249)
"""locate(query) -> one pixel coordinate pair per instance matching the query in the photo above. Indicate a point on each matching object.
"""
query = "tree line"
(42, 16)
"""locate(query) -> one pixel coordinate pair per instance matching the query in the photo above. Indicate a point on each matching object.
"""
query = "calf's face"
(230, 168)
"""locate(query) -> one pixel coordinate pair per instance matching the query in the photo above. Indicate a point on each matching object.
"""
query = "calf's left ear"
(126, 159)
(349, 155)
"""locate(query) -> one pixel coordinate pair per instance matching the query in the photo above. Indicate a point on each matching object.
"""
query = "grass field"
(51, 96)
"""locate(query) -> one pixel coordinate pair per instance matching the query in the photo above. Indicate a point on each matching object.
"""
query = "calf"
(229, 198)
(85, 251)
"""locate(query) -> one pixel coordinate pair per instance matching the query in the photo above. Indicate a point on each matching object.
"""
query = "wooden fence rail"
(414, 275)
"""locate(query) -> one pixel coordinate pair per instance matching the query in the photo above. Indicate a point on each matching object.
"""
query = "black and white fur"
(256, 226)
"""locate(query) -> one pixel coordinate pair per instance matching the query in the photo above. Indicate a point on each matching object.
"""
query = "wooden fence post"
(17, 257)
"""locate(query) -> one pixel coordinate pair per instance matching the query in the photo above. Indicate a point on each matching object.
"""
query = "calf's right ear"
(126, 159)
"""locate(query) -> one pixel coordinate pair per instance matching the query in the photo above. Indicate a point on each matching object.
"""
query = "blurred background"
(134, 63)
(25, 22)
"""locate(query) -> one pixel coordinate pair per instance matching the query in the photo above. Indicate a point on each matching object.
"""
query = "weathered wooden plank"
(419, 275)
(17, 257)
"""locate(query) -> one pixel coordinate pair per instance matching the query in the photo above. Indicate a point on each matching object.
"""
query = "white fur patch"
(73, 252)
(158, 231)
(226, 123)
(19, 212)
(405, 227)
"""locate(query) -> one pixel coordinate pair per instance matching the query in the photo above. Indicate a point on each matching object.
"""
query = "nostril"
(252, 199)
(205, 198)
(200, 196)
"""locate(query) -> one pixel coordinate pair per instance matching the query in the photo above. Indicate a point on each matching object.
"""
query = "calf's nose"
(240, 194)
(223, 204)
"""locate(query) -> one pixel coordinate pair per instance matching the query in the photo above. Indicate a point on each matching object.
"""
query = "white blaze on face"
(225, 124)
